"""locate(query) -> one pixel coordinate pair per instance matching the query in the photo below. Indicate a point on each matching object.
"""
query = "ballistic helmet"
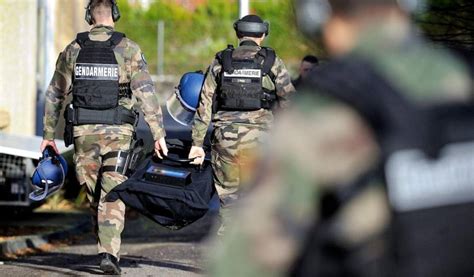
(183, 103)
(251, 26)
(49, 175)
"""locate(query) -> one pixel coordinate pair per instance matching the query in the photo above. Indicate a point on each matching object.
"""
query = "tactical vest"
(427, 167)
(240, 85)
(96, 73)
(96, 89)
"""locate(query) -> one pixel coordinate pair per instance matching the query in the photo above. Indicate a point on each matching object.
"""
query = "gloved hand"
(161, 145)
(198, 153)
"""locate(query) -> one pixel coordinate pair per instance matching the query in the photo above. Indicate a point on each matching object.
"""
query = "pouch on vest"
(69, 125)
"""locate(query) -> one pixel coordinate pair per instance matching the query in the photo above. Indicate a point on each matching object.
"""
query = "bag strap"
(225, 58)
(269, 60)
(116, 38)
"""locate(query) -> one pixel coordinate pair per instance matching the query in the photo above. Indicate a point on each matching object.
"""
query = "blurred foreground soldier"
(242, 87)
(306, 65)
(372, 174)
(107, 74)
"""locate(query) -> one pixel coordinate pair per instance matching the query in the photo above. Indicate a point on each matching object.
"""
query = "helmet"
(251, 25)
(49, 175)
(183, 103)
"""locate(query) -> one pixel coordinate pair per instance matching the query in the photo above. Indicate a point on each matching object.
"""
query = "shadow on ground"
(70, 264)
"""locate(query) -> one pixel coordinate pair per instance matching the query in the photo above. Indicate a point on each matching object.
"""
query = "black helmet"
(251, 26)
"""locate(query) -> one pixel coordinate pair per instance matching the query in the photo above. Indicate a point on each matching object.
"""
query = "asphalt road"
(147, 250)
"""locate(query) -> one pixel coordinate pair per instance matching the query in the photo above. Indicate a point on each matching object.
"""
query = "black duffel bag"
(171, 192)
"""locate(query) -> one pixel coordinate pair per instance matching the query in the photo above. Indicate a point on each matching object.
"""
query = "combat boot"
(109, 264)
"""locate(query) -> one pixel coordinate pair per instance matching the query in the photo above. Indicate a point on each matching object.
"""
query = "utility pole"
(45, 57)
(243, 8)
(160, 41)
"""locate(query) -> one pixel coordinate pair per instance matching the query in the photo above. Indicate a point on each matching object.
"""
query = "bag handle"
(178, 160)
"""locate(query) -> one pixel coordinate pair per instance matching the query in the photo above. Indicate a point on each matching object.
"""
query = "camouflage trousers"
(108, 217)
(234, 155)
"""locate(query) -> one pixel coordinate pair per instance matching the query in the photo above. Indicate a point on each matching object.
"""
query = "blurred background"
(176, 36)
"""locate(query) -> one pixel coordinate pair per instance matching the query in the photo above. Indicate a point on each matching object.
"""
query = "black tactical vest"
(240, 87)
(428, 169)
(96, 73)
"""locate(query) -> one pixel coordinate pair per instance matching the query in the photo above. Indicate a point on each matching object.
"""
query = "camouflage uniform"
(327, 142)
(93, 141)
(237, 133)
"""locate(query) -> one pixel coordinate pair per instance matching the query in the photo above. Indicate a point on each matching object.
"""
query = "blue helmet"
(183, 103)
(49, 175)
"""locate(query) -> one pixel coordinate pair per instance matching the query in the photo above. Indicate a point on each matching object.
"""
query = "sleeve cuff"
(159, 134)
(48, 135)
(198, 143)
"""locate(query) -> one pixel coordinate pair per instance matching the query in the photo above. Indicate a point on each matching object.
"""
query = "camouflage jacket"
(283, 87)
(326, 144)
(132, 68)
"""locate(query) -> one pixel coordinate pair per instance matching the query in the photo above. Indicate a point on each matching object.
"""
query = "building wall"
(69, 20)
(18, 27)
(25, 69)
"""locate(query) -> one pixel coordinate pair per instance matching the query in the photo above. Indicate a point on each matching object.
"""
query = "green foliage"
(284, 35)
(449, 22)
(193, 37)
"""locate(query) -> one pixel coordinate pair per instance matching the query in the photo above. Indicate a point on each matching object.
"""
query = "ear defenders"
(313, 14)
(252, 27)
(115, 12)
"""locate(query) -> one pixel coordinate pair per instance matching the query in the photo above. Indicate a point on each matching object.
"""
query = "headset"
(313, 14)
(252, 27)
(115, 12)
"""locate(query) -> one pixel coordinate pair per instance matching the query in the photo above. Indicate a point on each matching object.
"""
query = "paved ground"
(148, 250)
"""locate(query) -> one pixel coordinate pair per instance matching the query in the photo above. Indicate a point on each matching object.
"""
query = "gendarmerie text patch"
(244, 73)
(91, 71)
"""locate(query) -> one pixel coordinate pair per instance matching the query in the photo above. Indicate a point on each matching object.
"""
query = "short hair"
(311, 59)
(102, 8)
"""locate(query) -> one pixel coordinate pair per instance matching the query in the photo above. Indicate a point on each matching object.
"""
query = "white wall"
(18, 38)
